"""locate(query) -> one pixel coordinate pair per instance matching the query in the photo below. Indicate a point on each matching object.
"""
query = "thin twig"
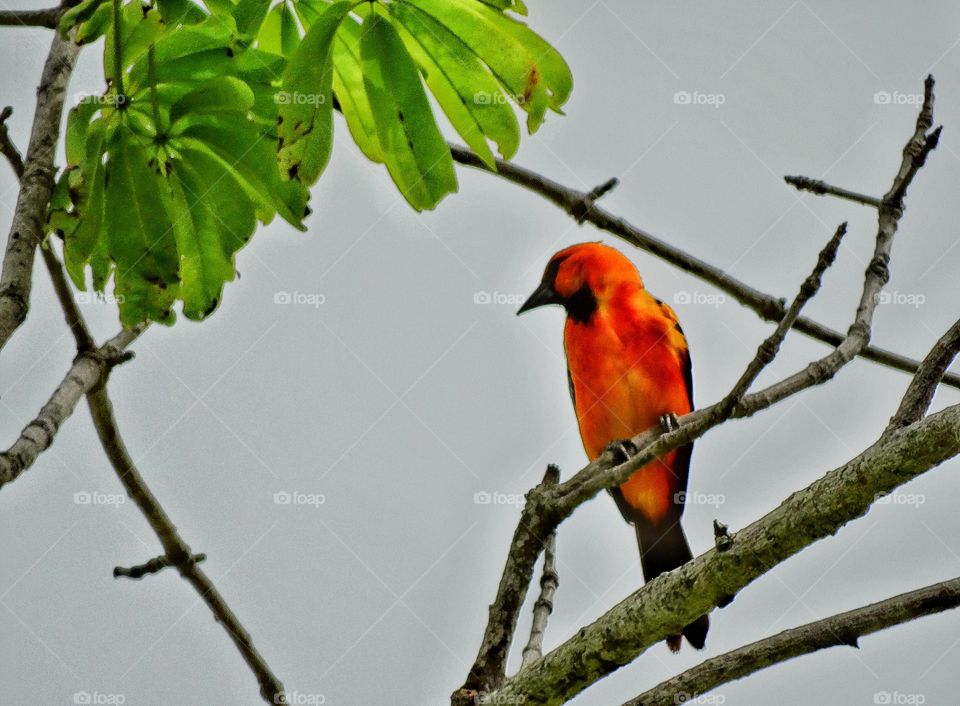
(920, 393)
(29, 217)
(7, 148)
(174, 547)
(821, 188)
(154, 566)
(549, 582)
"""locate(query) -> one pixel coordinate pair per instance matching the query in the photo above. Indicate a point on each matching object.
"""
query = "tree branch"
(549, 581)
(27, 228)
(663, 606)
(842, 629)
(154, 566)
(581, 206)
(175, 548)
(48, 17)
(816, 186)
(90, 370)
(920, 393)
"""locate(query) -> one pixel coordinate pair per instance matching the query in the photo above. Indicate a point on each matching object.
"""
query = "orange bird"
(629, 369)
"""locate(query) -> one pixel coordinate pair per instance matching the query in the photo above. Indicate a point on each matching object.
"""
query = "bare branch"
(48, 17)
(842, 629)
(549, 581)
(90, 370)
(27, 227)
(176, 550)
(154, 566)
(816, 186)
(920, 393)
(7, 148)
(581, 206)
(663, 606)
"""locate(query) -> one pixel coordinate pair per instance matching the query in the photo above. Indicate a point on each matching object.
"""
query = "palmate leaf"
(414, 150)
(165, 184)
(475, 60)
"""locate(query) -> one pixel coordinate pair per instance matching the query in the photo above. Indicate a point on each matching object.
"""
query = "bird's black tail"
(664, 549)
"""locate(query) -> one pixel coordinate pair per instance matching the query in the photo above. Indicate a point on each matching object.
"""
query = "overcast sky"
(397, 384)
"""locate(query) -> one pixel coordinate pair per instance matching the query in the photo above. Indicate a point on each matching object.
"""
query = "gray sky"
(399, 397)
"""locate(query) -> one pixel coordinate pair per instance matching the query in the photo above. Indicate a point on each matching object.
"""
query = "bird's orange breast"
(627, 369)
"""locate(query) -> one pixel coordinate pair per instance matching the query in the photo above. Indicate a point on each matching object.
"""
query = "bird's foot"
(621, 450)
(669, 422)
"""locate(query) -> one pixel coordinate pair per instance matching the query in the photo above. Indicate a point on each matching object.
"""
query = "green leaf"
(533, 72)
(306, 109)
(415, 152)
(225, 94)
(468, 94)
(279, 33)
(249, 15)
(78, 14)
(180, 12)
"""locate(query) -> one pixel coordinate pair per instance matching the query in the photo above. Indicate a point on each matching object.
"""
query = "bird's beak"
(542, 295)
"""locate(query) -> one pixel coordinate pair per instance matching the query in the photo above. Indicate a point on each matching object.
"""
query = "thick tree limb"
(175, 548)
(920, 393)
(663, 606)
(27, 228)
(48, 17)
(90, 370)
(837, 630)
(580, 205)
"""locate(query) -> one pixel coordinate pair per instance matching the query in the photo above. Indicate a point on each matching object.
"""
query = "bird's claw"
(669, 422)
(621, 450)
